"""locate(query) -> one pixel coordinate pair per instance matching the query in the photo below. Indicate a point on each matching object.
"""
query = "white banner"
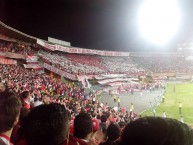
(53, 47)
(115, 80)
(90, 51)
(32, 66)
(101, 77)
(60, 72)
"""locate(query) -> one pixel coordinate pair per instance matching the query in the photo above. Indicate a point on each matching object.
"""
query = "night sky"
(93, 24)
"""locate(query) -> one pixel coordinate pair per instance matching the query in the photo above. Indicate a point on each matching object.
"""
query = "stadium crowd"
(49, 124)
(90, 64)
(59, 61)
(164, 64)
(121, 65)
(95, 65)
(34, 89)
(17, 48)
(36, 109)
(80, 64)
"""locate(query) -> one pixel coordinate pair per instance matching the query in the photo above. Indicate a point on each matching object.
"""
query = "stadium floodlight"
(159, 20)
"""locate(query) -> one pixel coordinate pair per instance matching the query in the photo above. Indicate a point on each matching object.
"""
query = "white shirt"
(182, 120)
(164, 115)
(37, 103)
(115, 108)
(5, 140)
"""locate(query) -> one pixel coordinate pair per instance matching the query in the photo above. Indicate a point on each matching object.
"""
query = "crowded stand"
(60, 61)
(164, 64)
(50, 123)
(120, 65)
(16, 48)
(77, 117)
(34, 89)
(89, 64)
(90, 60)
(80, 64)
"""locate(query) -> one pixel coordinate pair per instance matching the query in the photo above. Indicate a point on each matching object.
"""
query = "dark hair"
(98, 117)
(24, 94)
(113, 132)
(17, 133)
(107, 114)
(47, 124)
(103, 118)
(93, 115)
(10, 107)
(156, 131)
(121, 124)
(83, 125)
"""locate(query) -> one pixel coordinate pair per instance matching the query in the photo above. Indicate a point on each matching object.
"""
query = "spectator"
(103, 124)
(156, 131)
(46, 124)
(25, 99)
(180, 108)
(121, 125)
(10, 107)
(113, 133)
(17, 133)
(83, 128)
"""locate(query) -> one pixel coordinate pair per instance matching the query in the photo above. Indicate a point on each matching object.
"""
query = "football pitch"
(174, 94)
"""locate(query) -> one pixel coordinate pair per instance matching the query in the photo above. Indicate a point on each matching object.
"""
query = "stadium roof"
(18, 35)
(10, 34)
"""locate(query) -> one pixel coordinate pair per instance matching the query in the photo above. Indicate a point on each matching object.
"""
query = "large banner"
(7, 61)
(115, 80)
(89, 51)
(100, 77)
(60, 72)
(54, 47)
(14, 55)
(32, 66)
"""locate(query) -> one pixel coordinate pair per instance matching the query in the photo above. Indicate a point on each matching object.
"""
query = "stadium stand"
(164, 64)
(69, 101)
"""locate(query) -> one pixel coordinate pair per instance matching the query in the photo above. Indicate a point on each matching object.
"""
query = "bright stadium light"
(159, 20)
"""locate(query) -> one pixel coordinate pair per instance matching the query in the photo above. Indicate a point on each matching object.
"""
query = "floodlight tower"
(159, 21)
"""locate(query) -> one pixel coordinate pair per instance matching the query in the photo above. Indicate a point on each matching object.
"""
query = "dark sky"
(93, 24)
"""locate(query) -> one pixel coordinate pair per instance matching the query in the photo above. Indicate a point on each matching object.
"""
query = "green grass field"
(184, 94)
